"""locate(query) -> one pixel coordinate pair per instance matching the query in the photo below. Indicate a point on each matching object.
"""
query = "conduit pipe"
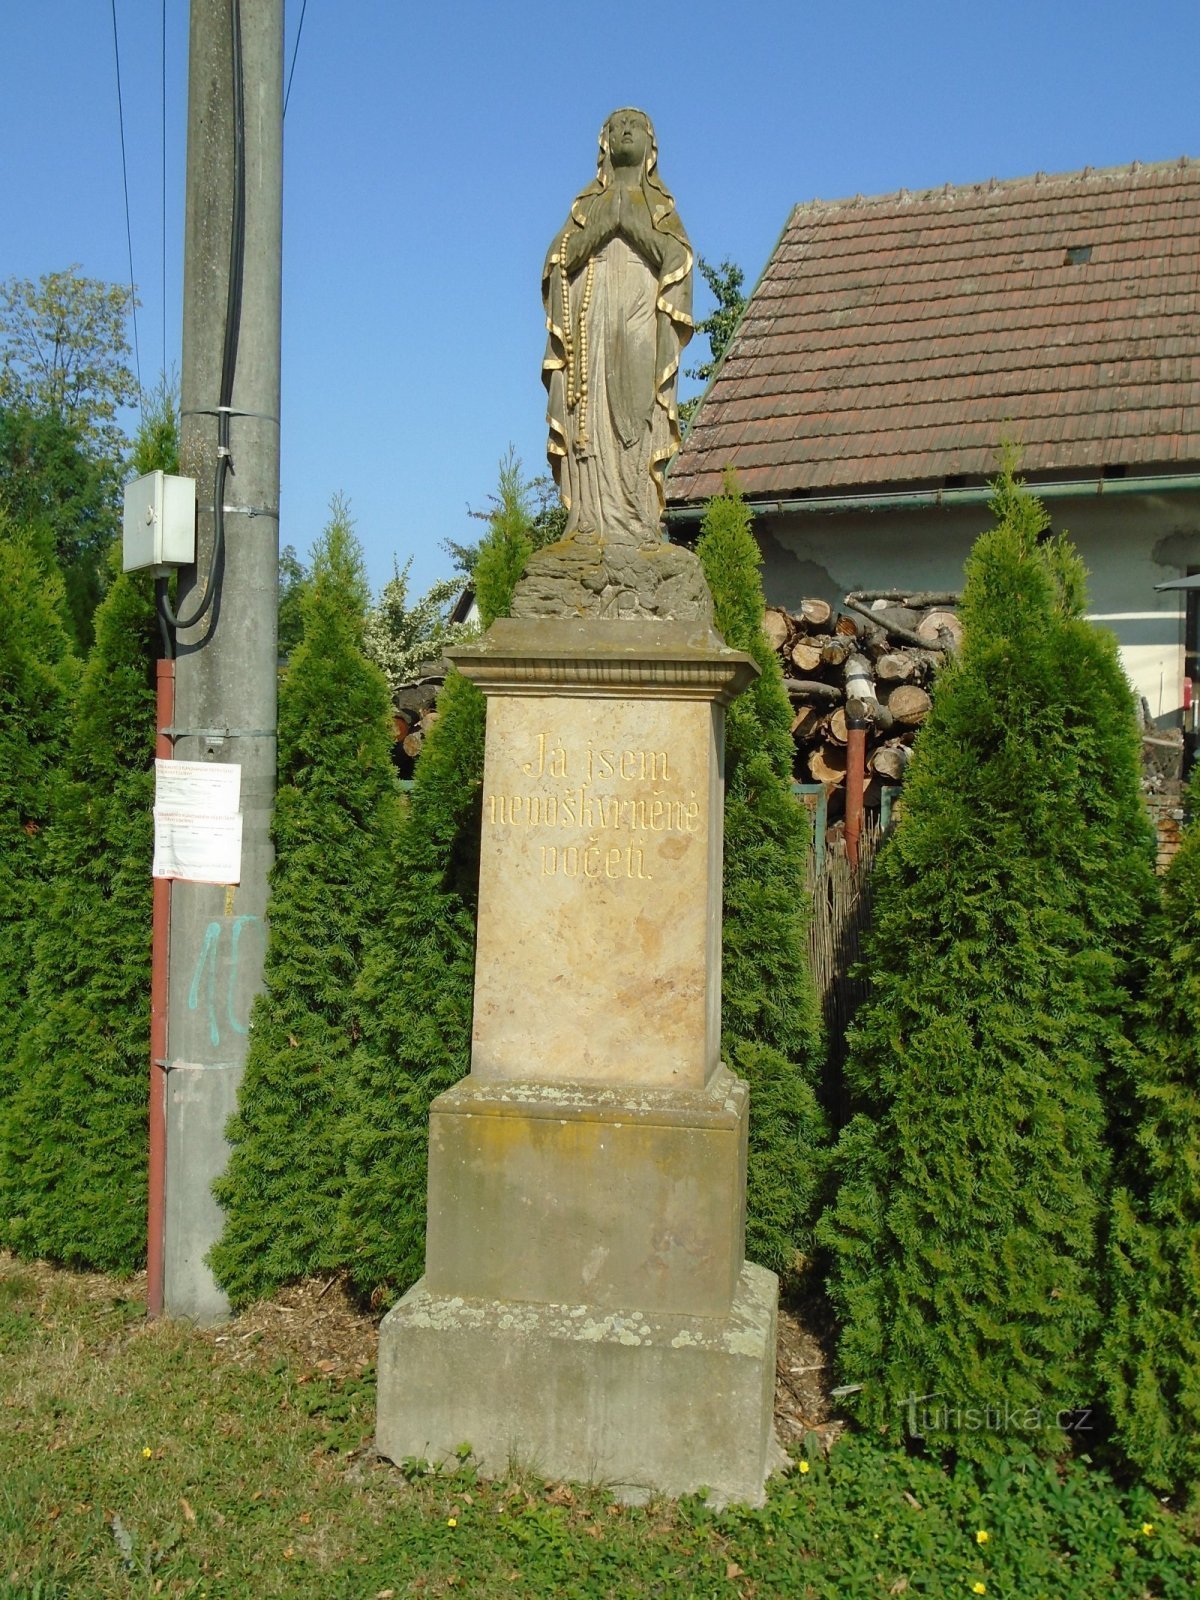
(159, 963)
(856, 769)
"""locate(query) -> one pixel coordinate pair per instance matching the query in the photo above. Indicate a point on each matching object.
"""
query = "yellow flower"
(982, 1536)
(979, 1588)
(147, 1452)
(452, 1522)
(804, 1466)
(1147, 1528)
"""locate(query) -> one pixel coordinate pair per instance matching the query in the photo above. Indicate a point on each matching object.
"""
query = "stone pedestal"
(636, 1401)
(587, 1309)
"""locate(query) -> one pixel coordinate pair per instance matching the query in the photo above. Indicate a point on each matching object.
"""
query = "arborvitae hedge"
(417, 987)
(37, 674)
(770, 1027)
(1006, 910)
(73, 1145)
(1152, 1338)
(335, 824)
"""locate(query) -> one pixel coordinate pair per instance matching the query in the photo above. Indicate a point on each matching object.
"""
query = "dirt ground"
(318, 1328)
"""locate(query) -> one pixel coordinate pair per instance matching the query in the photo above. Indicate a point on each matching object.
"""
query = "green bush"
(334, 828)
(73, 1145)
(37, 677)
(1008, 908)
(417, 987)
(770, 1027)
(51, 482)
(870, 1521)
(1152, 1337)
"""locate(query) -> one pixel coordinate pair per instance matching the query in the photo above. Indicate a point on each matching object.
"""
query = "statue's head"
(627, 139)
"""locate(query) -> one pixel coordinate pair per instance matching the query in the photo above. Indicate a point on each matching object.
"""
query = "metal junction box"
(159, 528)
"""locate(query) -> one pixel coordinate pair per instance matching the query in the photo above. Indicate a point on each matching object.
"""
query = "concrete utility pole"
(226, 671)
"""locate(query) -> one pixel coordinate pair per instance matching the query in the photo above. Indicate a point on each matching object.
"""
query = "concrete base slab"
(635, 1401)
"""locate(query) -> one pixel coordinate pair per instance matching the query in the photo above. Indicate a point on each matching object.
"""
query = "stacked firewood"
(872, 663)
(414, 709)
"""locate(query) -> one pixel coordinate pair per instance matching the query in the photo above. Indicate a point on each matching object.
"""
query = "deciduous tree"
(63, 353)
(725, 282)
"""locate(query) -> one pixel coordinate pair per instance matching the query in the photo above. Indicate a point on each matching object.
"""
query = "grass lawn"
(229, 1463)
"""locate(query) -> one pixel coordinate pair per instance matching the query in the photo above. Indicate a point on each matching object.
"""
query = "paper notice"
(212, 787)
(196, 847)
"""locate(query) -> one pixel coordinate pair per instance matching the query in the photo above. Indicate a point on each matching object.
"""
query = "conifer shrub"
(770, 1028)
(37, 677)
(73, 1145)
(334, 828)
(417, 987)
(1008, 907)
(1151, 1356)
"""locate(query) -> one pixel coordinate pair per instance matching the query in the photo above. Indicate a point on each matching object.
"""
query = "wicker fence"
(841, 909)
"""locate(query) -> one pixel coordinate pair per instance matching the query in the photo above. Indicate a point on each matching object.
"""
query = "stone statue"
(617, 288)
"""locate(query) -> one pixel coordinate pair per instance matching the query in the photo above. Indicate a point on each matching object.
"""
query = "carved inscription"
(615, 800)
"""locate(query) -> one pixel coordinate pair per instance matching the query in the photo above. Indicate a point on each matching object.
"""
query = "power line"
(164, 190)
(295, 52)
(137, 358)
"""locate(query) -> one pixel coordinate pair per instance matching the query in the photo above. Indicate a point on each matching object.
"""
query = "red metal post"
(160, 947)
(856, 767)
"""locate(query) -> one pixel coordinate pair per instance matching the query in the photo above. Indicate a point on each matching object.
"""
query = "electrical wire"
(295, 52)
(233, 322)
(164, 190)
(137, 356)
(162, 605)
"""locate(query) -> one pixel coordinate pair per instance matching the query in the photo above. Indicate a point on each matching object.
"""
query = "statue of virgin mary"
(617, 289)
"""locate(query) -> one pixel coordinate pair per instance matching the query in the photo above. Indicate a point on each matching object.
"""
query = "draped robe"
(609, 446)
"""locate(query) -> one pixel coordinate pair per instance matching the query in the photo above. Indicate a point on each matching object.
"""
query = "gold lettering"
(628, 764)
(539, 759)
(570, 861)
(549, 860)
(612, 862)
(693, 817)
(591, 853)
(656, 810)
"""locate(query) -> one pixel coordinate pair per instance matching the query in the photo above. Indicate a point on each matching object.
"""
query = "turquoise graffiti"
(207, 974)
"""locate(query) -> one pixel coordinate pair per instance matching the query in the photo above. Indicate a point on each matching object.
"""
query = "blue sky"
(431, 152)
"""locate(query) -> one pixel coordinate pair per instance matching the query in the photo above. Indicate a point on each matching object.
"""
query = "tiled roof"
(899, 340)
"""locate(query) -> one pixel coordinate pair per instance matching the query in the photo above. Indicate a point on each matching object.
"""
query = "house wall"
(1128, 543)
